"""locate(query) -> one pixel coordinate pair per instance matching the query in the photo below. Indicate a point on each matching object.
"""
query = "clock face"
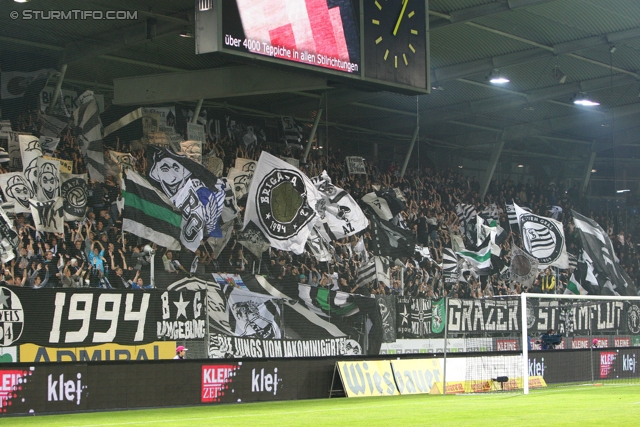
(395, 41)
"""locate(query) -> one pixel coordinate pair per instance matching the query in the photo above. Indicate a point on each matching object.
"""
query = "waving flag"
(148, 213)
(339, 213)
(480, 259)
(543, 238)
(597, 245)
(87, 118)
(283, 203)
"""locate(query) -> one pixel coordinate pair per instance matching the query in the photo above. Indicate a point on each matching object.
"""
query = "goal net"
(580, 338)
(554, 340)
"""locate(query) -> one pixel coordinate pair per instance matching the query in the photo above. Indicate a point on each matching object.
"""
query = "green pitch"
(609, 405)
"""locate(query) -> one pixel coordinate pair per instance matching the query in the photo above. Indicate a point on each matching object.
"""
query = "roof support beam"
(493, 162)
(540, 51)
(476, 12)
(111, 41)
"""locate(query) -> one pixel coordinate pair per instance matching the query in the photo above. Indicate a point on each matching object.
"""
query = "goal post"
(599, 327)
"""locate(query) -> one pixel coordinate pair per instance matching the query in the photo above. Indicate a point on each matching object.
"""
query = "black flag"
(390, 240)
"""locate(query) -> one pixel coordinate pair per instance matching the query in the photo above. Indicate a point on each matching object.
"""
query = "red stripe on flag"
(321, 27)
(283, 36)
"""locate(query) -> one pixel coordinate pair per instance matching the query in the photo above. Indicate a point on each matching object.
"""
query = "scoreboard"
(383, 44)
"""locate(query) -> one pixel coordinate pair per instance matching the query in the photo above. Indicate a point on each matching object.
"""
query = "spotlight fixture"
(497, 78)
(623, 191)
(438, 87)
(21, 1)
(559, 75)
(583, 100)
(521, 166)
(593, 171)
(459, 166)
(187, 33)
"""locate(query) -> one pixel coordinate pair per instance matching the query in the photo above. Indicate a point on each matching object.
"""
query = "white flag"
(543, 238)
(282, 202)
(379, 205)
(339, 213)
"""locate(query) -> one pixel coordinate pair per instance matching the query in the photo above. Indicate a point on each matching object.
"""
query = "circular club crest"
(541, 238)
(282, 204)
(11, 317)
(74, 193)
(633, 319)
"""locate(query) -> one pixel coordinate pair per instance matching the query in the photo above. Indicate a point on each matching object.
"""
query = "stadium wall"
(71, 387)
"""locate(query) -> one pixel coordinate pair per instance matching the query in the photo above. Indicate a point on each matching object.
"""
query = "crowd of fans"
(96, 253)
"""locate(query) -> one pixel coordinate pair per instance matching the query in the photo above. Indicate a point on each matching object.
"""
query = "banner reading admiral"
(282, 202)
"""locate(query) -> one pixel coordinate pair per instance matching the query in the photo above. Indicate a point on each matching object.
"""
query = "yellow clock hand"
(404, 6)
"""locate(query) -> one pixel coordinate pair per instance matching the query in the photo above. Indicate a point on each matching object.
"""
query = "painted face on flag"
(18, 189)
(170, 174)
(31, 174)
(49, 181)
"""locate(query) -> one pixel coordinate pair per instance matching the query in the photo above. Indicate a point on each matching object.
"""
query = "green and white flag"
(574, 288)
(148, 213)
(479, 259)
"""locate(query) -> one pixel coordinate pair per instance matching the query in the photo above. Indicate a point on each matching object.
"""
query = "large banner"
(77, 318)
(367, 378)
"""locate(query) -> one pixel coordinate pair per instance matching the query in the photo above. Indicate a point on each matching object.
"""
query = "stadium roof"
(594, 43)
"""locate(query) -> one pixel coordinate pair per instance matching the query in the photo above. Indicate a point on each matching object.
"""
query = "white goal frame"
(525, 336)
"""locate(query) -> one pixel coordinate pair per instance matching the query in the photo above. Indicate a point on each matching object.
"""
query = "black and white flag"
(218, 244)
(379, 205)
(192, 189)
(339, 213)
(396, 204)
(74, 193)
(14, 84)
(230, 210)
(524, 267)
(9, 239)
(466, 214)
(253, 315)
(387, 307)
(389, 240)
(30, 151)
(292, 131)
(492, 212)
(240, 178)
(282, 202)
(17, 190)
(48, 179)
(543, 238)
(355, 165)
(49, 144)
(48, 216)
(450, 270)
(13, 144)
(87, 118)
(51, 126)
(253, 239)
(319, 246)
(513, 217)
(555, 212)
(597, 245)
(375, 270)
